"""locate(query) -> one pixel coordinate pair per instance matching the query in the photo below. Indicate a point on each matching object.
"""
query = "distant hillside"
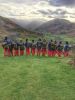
(11, 29)
(30, 25)
(57, 26)
(15, 30)
(8, 27)
(33, 25)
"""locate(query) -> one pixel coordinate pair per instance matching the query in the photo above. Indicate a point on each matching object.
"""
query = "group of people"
(39, 48)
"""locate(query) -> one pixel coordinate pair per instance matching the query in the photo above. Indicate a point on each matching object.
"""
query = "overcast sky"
(38, 9)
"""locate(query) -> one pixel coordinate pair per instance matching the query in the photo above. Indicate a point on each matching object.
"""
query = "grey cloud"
(62, 2)
(72, 16)
(59, 13)
(20, 1)
(43, 12)
(33, 12)
(50, 12)
(12, 1)
(52, 16)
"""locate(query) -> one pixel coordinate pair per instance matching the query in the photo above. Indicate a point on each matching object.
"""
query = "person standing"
(66, 49)
(33, 47)
(39, 47)
(27, 46)
(16, 49)
(55, 48)
(60, 49)
(5, 48)
(21, 48)
(50, 48)
(44, 48)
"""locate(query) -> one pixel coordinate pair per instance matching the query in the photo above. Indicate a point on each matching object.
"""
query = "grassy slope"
(63, 37)
(49, 36)
(36, 78)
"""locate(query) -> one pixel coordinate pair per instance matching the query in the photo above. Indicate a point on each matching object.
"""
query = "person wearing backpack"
(39, 47)
(5, 48)
(33, 47)
(44, 48)
(66, 49)
(50, 48)
(27, 47)
(16, 49)
(21, 48)
(59, 49)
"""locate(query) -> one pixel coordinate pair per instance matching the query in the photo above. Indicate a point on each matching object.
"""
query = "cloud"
(37, 9)
(20, 1)
(62, 2)
(63, 13)
(43, 12)
(58, 13)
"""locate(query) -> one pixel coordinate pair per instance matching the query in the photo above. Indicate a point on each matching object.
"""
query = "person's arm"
(37, 45)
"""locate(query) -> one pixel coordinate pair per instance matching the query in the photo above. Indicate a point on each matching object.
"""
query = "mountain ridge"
(11, 29)
(57, 26)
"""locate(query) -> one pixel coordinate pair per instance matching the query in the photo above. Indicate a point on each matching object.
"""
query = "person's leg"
(59, 53)
(56, 52)
(5, 52)
(66, 53)
(44, 52)
(48, 52)
(33, 51)
(21, 52)
(27, 51)
(17, 52)
(13, 52)
(9, 52)
(53, 54)
(38, 52)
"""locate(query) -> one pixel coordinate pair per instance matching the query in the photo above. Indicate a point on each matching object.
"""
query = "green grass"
(62, 37)
(49, 36)
(36, 78)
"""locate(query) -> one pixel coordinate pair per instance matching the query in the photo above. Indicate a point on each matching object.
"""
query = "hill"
(33, 25)
(57, 26)
(28, 24)
(11, 29)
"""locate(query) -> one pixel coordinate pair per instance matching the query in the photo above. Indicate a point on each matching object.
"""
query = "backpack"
(66, 48)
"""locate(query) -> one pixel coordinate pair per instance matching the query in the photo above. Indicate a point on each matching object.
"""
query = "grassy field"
(49, 36)
(36, 78)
